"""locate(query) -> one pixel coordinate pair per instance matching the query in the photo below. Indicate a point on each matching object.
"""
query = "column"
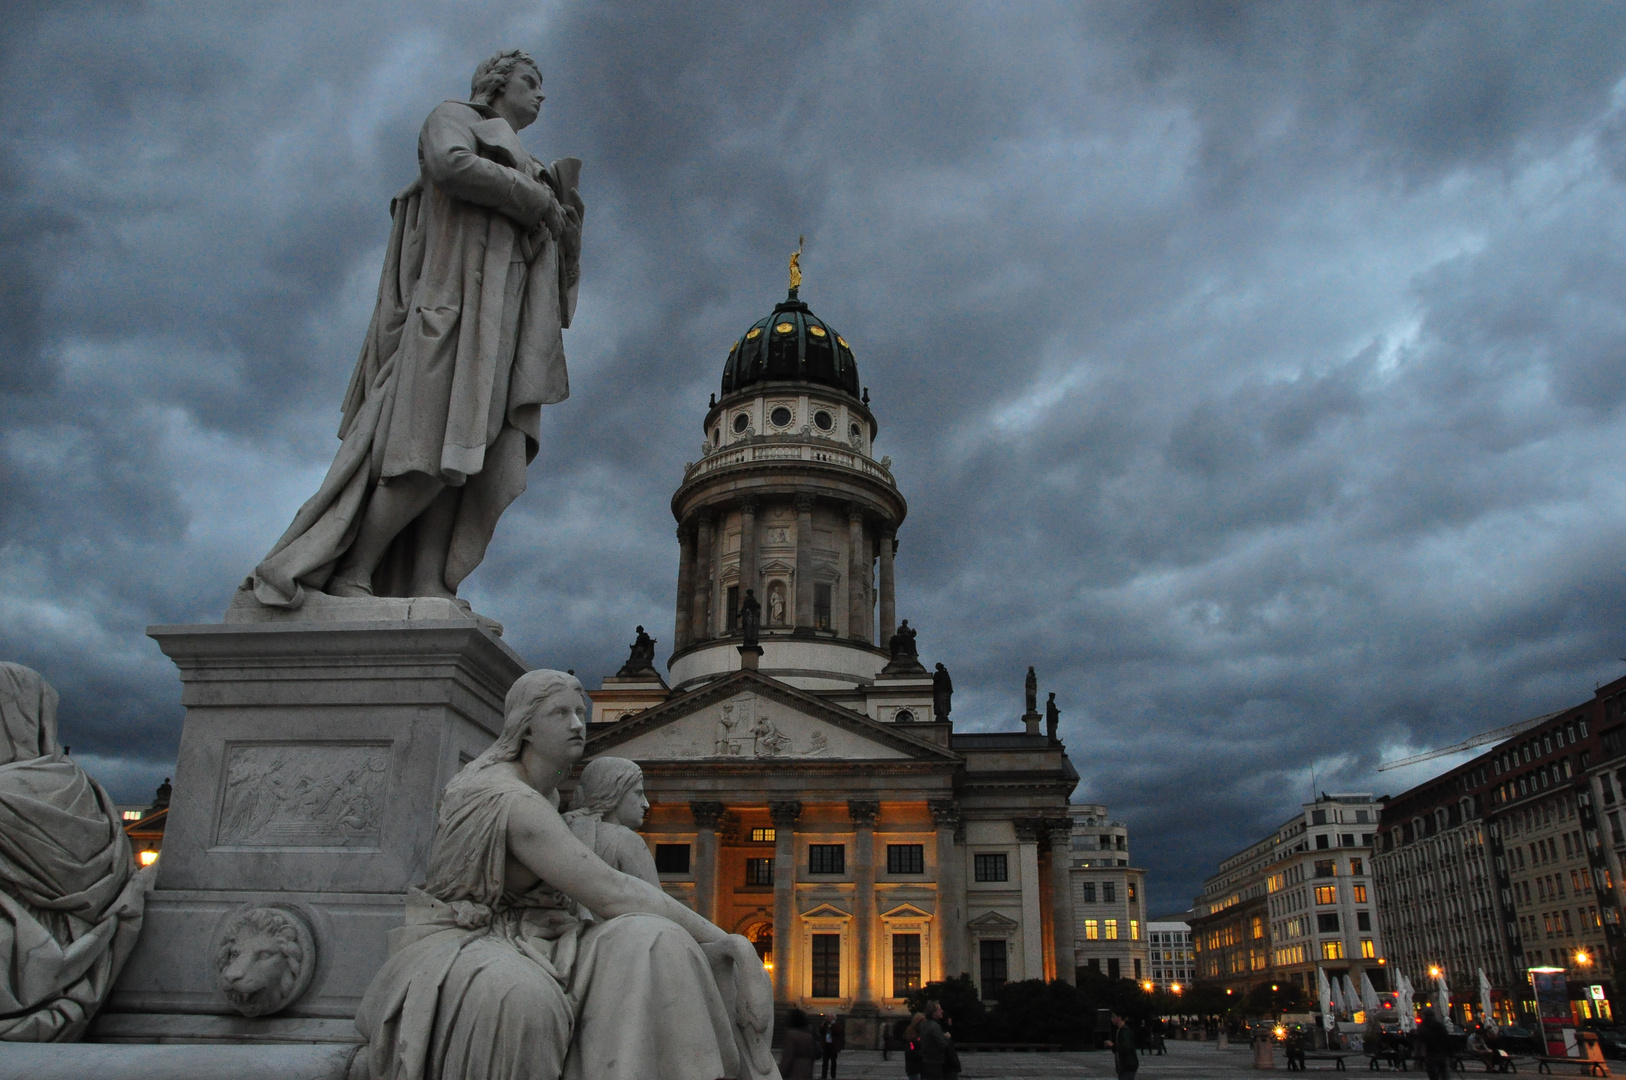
(1061, 897)
(889, 601)
(804, 565)
(863, 813)
(950, 888)
(859, 620)
(1027, 860)
(706, 817)
(685, 587)
(748, 550)
(704, 583)
(784, 815)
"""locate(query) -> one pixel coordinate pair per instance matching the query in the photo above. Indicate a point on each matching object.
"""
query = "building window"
(905, 963)
(762, 836)
(1355, 866)
(1092, 929)
(992, 956)
(1327, 923)
(826, 965)
(1109, 891)
(1368, 949)
(1346, 839)
(989, 867)
(821, 605)
(1089, 892)
(1321, 842)
(1137, 969)
(1112, 968)
(1363, 920)
(1326, 894)
(672, 858)
(1131, 887)
(1332, 950)
(731, 613)
(1134, 934)
(759, 872)
(1326, 868)
(1111, 929)
(905, 859)
(826, 858)
(1360, 894)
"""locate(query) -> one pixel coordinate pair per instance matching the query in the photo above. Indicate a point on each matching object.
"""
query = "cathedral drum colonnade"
(808, 789)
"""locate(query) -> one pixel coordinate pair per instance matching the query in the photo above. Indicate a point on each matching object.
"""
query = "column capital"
(945, 812)
(706, 814)
(1029, 830)
(748, 504)
(863, 812)
(804, 503)
(856, 511)
(889, 531)
(784, 814)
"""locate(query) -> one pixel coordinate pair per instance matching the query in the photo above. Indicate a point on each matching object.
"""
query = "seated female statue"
(609, 803)
(494, 974)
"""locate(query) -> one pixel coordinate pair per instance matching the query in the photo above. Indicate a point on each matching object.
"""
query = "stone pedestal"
(312, 760)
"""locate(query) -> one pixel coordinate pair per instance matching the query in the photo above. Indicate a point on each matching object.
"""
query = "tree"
(961, 1004)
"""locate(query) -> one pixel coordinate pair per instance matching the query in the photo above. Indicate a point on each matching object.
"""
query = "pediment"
(749, 717)
(826, 911)
(906, 911)
(993, 920)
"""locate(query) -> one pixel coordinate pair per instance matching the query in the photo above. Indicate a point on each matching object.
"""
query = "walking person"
(1122, 1044)
(933, 1043)
(1436, 1047)
(832, 1040)
(911, 1046)
(798, 1051)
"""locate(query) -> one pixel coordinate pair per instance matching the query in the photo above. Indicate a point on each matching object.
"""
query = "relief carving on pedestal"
(292, 795)
(265, 959)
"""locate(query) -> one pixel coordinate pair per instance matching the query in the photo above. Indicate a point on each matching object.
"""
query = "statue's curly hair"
(491, 77)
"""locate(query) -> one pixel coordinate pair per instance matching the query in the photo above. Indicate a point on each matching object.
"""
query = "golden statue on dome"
(796, 265)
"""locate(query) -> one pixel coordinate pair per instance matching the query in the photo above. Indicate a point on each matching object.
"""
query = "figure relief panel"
(752, 727)
(303, 795)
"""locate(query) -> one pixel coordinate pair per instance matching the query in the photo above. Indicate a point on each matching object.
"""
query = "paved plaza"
(1184, 1061)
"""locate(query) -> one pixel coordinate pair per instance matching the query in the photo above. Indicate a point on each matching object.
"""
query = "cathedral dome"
(791, 345)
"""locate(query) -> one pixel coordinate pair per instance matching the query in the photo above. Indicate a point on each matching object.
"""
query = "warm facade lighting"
(147, 858)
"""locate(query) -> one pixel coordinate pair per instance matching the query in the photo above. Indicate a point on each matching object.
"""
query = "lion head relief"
(265, 959)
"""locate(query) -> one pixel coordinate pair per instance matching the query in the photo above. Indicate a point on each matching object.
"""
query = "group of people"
(802, 1047)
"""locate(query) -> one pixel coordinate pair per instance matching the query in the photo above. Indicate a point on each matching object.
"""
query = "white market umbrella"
(1404, 1006)
(1352, 1000)
(1442, 998)
(1369, 997)
(1489, 1018)
(1323, 995)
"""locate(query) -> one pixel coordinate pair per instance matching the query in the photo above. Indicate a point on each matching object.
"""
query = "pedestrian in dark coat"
(797, 1051)
(911, 1046)
(1436, 1045)
(832, 1040)
(1124, 1058)
(934, 1043)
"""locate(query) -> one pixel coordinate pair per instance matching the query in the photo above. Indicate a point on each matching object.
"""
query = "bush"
(961, 1004)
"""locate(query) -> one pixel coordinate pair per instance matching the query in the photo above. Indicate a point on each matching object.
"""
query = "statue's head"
(265, 960)
(546, 709)
(509, 77)
(612, 789)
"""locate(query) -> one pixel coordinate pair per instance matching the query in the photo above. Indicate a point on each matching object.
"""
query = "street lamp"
(1174, 988)
(1583, 958)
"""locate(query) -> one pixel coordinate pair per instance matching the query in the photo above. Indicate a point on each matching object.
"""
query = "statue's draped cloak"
(483, 984)
(70, 899)
(464, 348)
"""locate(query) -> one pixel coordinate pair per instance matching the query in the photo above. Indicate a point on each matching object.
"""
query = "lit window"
(1112, 929)
(1134, 929)
(1332, 950)
(1326, 894)
(147, 858)
(762, 836)
(1369, 949)
(1360, 894)
(132, 815)
(1092, 929)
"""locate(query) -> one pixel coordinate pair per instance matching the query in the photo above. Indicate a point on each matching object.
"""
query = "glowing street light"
(1582, 957)
(1174, 988)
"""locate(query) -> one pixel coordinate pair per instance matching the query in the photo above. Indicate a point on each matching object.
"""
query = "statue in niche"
(905, 654)
(1052, 717)
(942, 693)
(609, 803)
(498, 974)
(444, 408)
(640, 658)
(1031, 690)
(71, 900)
(750, 618)
(776, 605)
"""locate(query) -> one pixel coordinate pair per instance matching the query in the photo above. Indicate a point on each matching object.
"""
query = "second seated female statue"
(495, 974)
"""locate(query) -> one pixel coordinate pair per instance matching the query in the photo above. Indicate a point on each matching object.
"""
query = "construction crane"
(1494, 735)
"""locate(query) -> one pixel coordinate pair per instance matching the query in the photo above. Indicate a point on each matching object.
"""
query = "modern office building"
(1171, 962)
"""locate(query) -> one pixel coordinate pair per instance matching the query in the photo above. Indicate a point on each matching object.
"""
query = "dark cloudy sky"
(1255, 371)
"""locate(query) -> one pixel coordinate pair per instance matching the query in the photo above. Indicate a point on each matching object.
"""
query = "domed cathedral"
(808, 787)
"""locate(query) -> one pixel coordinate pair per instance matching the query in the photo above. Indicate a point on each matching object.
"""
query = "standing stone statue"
(750, 618)
(71, 899)
(496, 974)
(1031, 688)
(942, 693)
(465, 347)
(640, 658)
(1052, 717)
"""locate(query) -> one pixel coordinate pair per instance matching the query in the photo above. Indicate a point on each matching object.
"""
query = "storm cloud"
(1255, 371)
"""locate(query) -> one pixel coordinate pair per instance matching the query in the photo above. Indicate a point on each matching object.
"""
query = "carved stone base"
(311, 764)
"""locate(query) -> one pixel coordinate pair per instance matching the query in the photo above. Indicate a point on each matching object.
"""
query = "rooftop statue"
(641, 657)
(1052, 717)
(71, 900)
(905, 653)
(465, 347)
(525, 954)
(942, 693)
(750, 619)
(1030, 688)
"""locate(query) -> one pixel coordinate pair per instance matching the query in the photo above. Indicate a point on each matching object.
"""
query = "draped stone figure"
(443, 412)
(71, 899)
(497, 975)
(609, 803)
